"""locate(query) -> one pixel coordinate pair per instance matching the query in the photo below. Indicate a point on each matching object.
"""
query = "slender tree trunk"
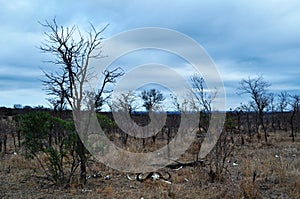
(261, 118)
(14, 140)
(4, 143)
(81, 153)
(19, 137)
(292, 126)
(0, 144)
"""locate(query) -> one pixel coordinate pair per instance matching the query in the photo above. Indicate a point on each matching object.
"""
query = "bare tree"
(272, 109)
(247, 109)
(295, 105)
(203, 96)
(126, 102)
(110, 77)
(72, 52)
(257, 89)
(282, 106)
(3, 134)
(55, 85)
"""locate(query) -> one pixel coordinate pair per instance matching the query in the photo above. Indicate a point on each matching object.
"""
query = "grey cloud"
(243, 38)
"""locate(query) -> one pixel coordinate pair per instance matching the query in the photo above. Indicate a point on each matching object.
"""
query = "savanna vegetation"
(42, 155)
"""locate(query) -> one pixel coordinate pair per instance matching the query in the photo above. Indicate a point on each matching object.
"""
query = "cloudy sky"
(243, 38)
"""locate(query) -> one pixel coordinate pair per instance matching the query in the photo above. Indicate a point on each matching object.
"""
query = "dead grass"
(277, 165)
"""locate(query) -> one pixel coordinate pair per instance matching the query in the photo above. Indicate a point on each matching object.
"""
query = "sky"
(243, 38)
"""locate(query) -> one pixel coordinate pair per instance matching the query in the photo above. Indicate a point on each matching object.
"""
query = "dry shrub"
(249, 189)
(294, 189)
(108, 191)
(19, 162)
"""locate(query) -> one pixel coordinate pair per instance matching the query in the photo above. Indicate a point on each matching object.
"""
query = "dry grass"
(277, 165)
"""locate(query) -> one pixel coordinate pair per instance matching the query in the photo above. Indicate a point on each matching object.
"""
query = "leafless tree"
(257, 89)
(272, 109)
(204, 98)
(3, 134)
(247, 109)
(110, 77)
(55, 85)
(203, 95)
(72, 52)
(283, 97)
(239, 113)
(295, 106)
(126, 102)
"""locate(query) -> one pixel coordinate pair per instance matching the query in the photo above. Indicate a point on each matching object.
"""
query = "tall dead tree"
(257, 89)
(72, 53)
(203, 100)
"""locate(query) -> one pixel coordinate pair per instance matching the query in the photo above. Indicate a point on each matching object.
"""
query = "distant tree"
(247, 109)
(151, 98)
(224, 147)
(257, 89)
(283, 97)
(3, 134)
(73, 52)
(202, 99)
(18, 106)
(272, 109)
(283, 101)
(239, 113)
(125, 102)
(295, 106)
(204, 96)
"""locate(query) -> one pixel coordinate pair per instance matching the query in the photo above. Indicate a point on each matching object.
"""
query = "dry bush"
(249, 189)
(294, 189)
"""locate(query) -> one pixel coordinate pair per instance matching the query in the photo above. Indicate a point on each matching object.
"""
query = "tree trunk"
(292, 126)
(4, 143)
(261, 117)
(82, 157)
(19, 137)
